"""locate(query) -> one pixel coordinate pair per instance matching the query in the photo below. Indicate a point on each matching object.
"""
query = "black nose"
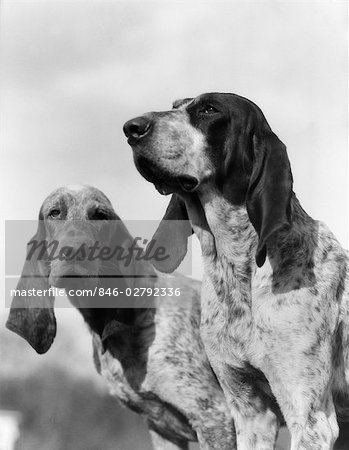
(66, 251)
(138, 127)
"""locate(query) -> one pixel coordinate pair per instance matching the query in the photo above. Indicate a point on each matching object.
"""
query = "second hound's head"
(72, 221)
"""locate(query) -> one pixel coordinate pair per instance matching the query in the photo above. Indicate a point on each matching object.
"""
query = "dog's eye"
(209, 109)
(99, 215)
(54, 213)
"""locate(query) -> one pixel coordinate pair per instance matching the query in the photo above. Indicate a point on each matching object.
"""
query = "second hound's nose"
(138, 127)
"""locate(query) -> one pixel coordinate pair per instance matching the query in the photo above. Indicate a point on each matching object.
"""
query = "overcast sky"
(74, 72)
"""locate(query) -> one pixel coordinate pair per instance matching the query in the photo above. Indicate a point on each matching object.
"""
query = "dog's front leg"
(255, 418)
(161, 443)
(304, 394)
(254, 412)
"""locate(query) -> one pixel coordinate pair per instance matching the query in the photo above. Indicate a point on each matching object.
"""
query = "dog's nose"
(66, 251)
(138, 127)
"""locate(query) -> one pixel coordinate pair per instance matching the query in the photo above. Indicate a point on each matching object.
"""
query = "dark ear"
(171, 236)
(270, 189)
(130, 267)
(32, 316)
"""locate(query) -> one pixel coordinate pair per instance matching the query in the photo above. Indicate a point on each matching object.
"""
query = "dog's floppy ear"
(32, 316)
(130, 267)
(270, 189)
(172, 236)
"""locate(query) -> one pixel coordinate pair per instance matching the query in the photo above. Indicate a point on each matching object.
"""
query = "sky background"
(73, 72)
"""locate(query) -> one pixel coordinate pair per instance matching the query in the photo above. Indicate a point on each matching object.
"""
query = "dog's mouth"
(133, 141)
(165, 182)
(69, 275)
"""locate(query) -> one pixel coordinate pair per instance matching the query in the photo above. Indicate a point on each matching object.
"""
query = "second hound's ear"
(32, 316)
(172, 236)
(270, 189)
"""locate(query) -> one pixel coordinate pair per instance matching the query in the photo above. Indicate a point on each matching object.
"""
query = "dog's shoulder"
(330, 264)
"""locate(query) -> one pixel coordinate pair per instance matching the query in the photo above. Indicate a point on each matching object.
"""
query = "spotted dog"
(152, 358)
(275, 306)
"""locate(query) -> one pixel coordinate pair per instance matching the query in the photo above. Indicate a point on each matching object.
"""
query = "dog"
(150, 355)
(275, 293)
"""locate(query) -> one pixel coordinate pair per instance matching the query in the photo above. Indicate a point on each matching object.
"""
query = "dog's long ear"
(171, 236)
(132, 268)
(270, 189)
(32, 316)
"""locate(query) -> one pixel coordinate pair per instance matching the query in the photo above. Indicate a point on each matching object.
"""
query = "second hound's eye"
(98, 215)
(54, 213)
(209, 109)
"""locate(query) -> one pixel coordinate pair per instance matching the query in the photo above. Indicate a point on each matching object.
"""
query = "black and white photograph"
(175, 216)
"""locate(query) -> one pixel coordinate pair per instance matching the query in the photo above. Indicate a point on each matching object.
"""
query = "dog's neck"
(229, 241)
(118, 275)
(291, 253)
(225, 233)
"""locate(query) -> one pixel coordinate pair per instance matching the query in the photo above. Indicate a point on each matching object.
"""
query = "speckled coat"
(163, 373)
(151, 356)
(286, 321)
(275, 289)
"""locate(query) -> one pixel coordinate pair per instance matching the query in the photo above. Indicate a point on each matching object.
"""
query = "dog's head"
(222, 140)
(74, 223)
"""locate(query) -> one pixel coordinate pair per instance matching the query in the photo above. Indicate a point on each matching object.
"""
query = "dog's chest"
(238, 310)
(226, 316)
(227, 250)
